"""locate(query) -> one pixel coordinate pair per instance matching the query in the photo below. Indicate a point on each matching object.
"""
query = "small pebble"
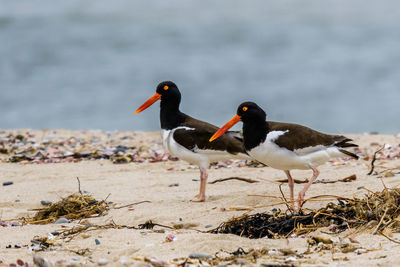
(16, 224)
(102, 261)
(195, 180)
(171, 237)
(97, 241)
(273, 252)
(61, 221)
(20, 262)
(55, 233)
(389, 174)
(172, 185)
(290, 259)
(198, 256)
(12, 265)
(41, 262)
(7, 183)
(208, 226)
(45, 202)
(360, 251)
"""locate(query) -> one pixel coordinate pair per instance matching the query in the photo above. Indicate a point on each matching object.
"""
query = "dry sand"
(130, 183)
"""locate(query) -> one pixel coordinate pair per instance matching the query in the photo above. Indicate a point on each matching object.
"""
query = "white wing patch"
(273, 135)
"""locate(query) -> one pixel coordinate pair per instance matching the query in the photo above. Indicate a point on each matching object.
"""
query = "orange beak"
(225, 128)
(148, 103)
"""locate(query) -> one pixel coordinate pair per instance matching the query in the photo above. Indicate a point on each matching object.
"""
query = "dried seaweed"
(150, 225)
(75, 206)
(382, 207)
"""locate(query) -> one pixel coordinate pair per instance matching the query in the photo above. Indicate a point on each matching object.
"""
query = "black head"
(169, 92)
(250, 111)
(254, 124)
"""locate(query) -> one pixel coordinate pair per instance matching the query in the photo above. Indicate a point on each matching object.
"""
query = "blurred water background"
(332, 65)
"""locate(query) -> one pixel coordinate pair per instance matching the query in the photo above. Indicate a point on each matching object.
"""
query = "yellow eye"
(244, 108)
(166, 87)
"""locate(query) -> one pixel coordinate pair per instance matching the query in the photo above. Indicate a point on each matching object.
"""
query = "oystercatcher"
(187, 138)
(286, 146)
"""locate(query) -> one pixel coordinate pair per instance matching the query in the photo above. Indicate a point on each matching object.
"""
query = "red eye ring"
(166, 87)
(245, 108)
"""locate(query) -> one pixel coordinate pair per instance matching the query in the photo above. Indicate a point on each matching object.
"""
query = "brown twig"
(284, 198)
(374, 159)
(79, 186)
(390, 239)
(380, 222)
(296, 181)
(137, 203)
(234, 178)
(344, 180)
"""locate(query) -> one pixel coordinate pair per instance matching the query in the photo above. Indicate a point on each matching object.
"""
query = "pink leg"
(201, 197)
(302, 193)
(291, 187)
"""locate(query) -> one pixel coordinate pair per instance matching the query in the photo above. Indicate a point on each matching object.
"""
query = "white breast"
(277, 157)
(200, 157)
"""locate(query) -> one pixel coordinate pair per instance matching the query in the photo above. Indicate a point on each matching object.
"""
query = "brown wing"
(298, 136)
(200, 135)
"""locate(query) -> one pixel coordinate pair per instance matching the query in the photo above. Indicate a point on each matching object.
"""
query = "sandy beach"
(166, 186)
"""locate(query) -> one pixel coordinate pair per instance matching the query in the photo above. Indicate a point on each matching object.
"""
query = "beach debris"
(389, 174)
(290, 259)
(221, 258)
(129, 205)
(234, 178)
(16, 224)
(7, 183)
(46, 202)
(119, 148)
(61, 221)
(42, 262)
(347, 179)
(199, 256)
(322, 239)
(102, 262)
(75, 206)
(97, 241)
(150, 225)
(374, 159)
(21, 262)
(184, 225)
(156, 262)
(381, 207)
(170, 237)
